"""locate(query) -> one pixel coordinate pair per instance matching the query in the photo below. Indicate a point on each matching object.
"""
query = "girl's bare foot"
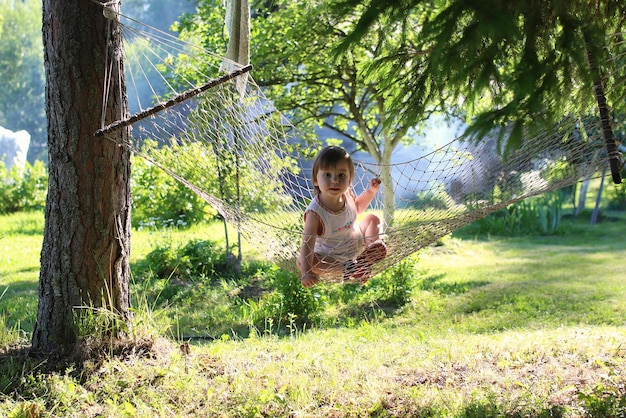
(361, 268)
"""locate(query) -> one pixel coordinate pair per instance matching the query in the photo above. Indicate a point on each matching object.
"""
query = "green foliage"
(23, 189)
(21, 65)
(192, 261)
(394, 286)
(617, 195)
(500, 61)
(539, 215)
(295, 64)
(315, 86)
(432, 199)
(604, 400)
(288, 304)
(160, 200)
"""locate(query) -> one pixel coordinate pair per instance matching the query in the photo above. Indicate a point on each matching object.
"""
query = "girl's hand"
(375, 184)
(309, 279)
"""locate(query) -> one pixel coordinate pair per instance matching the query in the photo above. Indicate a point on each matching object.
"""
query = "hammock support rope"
(186, 95)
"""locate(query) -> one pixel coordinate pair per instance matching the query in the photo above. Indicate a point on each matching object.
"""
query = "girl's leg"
(370, 228)
(375, 249)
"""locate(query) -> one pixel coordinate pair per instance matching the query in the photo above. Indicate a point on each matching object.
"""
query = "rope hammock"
(211, 128)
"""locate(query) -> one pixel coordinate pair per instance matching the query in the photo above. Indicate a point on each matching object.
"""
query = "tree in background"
(22, 73)
(22, 99)
(525, 62)
(292, 54)
(157, 13)
(86, 245)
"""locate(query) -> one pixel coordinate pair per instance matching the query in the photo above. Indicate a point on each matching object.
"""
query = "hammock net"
(224, 140)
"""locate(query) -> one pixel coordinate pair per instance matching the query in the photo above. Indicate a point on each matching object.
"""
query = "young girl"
(332, 241)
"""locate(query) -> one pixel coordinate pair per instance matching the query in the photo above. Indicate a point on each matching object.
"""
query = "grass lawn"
(528, 326)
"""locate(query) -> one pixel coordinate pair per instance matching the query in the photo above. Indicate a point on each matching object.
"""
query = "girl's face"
(333, 181)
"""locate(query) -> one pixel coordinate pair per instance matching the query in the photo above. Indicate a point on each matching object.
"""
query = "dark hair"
(328, 158)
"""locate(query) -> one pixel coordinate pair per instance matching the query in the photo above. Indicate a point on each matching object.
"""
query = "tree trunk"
(86, 244)
(596, 209)
(582, 195)
(388, 187)
(605, 118)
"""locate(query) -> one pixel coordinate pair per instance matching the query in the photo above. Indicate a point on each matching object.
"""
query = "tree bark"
(86, 244)
(605, 118)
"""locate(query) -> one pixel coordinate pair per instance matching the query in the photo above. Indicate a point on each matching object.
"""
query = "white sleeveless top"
(342, 235)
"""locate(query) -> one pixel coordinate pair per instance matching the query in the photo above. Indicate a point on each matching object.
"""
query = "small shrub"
(160, 200)
(202, 258)
(433, 199)
(162, 261)
(23, 189)
(604, 401)
(288, 304)
(394, 286)
(197, 258)
(385, 292)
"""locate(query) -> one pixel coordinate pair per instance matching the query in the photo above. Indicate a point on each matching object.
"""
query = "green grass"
(526, 326)
(21, 236)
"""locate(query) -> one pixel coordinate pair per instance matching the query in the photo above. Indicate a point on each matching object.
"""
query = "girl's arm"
(307, 251)
(364, 200)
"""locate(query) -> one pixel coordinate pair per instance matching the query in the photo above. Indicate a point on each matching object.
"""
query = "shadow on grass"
(369, 311)
(15, 365)
(17, 287)
(532, 303)
(435, 283)
(18, 305)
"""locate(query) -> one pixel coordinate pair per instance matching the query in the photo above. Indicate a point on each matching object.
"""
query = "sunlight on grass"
(21, 235)
(346, 372)
(498, 285)
(22, 223)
